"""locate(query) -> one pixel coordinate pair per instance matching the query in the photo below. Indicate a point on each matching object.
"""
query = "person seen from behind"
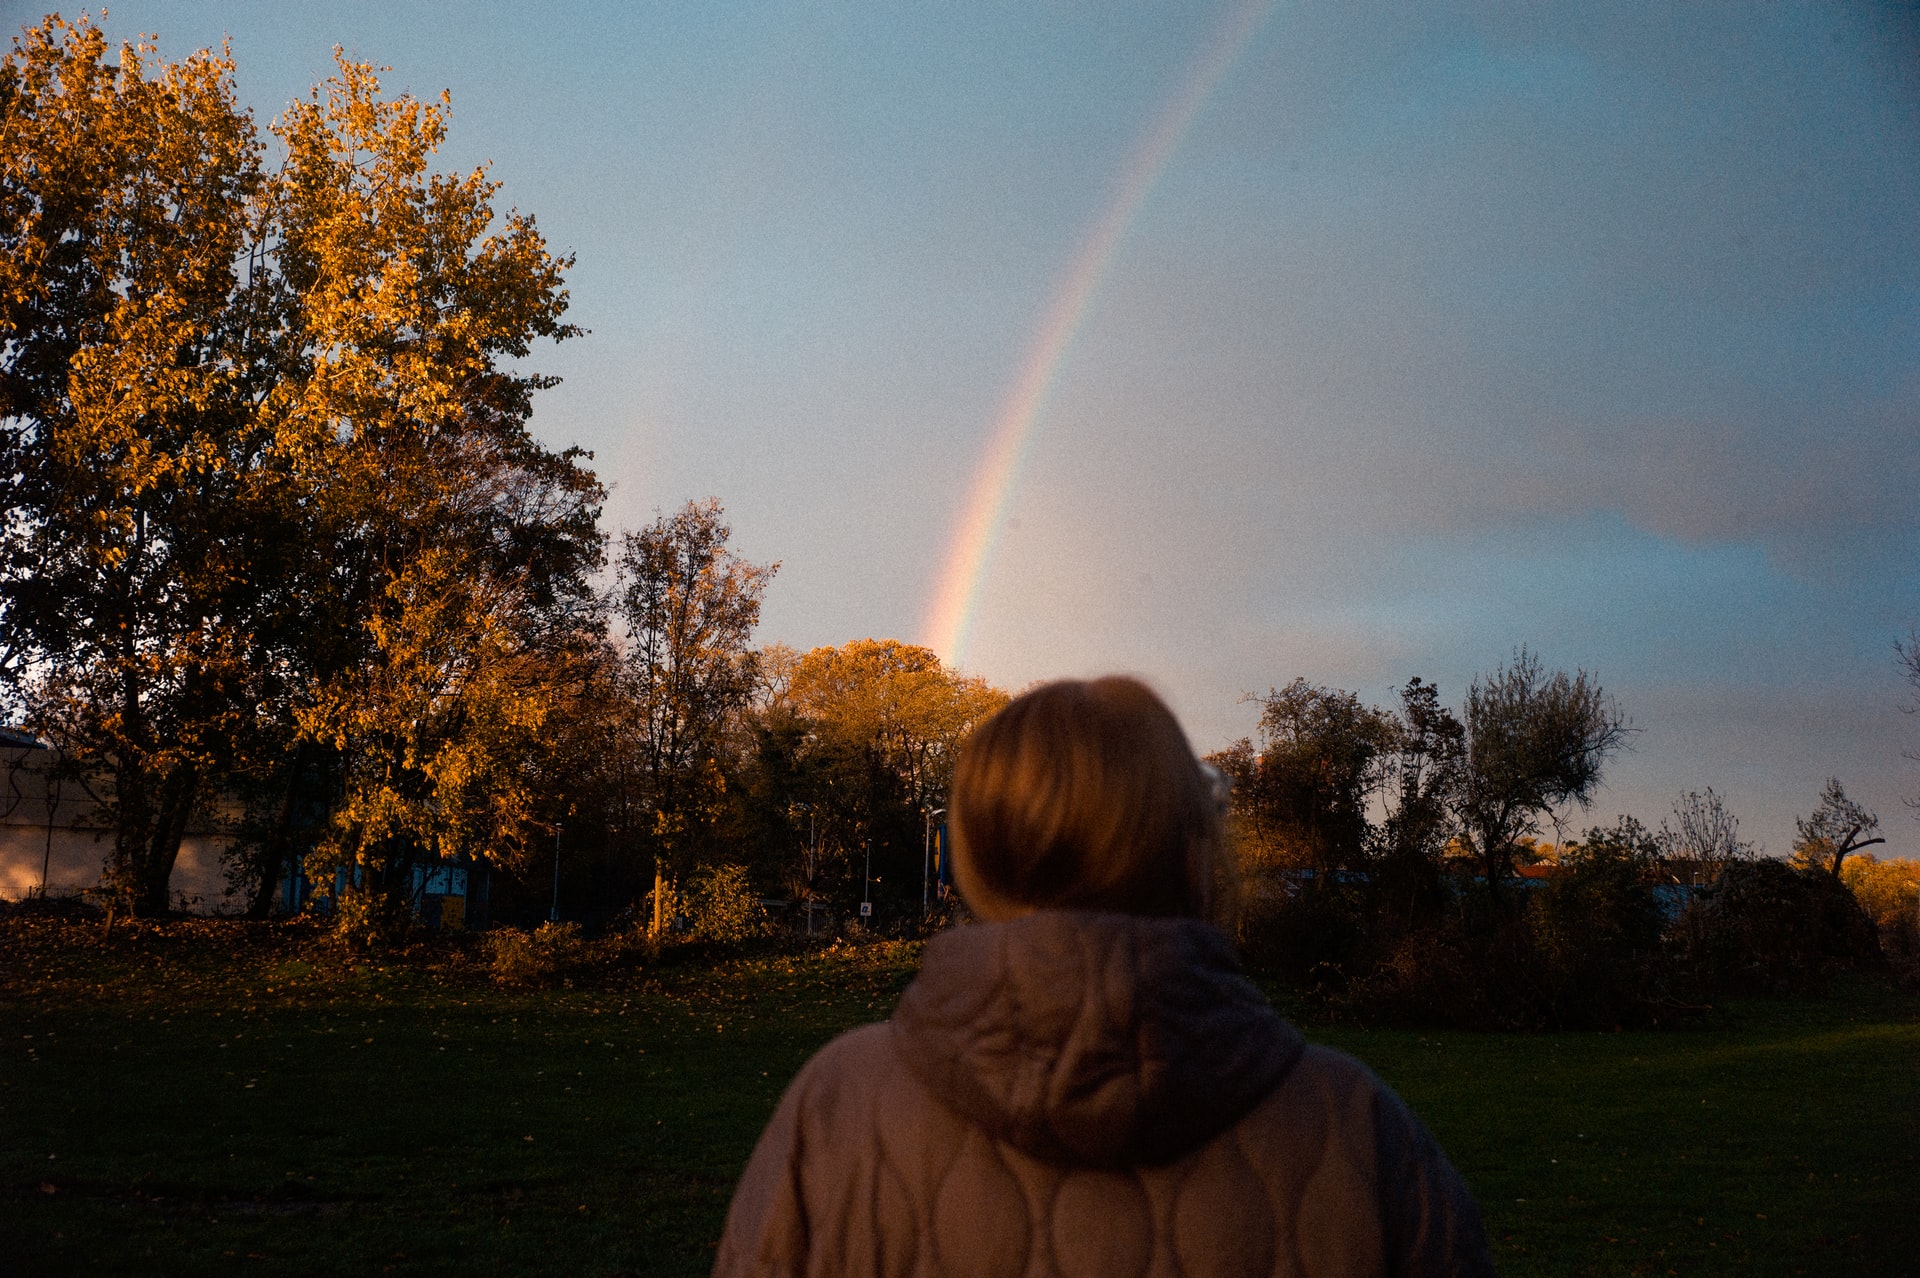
(1083, 1082)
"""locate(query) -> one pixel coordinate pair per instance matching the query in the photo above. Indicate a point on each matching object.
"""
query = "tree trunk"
(273, 850)
(1490, 865)
(659, 896)
(132, 829)
(156, 874)
(1848, 846)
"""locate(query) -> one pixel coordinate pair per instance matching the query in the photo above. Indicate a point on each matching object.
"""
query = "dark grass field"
(203, 1098)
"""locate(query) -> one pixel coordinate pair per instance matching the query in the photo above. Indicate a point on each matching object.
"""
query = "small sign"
(866, 909)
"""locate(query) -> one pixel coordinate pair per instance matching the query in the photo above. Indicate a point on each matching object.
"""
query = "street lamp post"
(866, 887)
(553, 914)
(806, 895)
(926, 861)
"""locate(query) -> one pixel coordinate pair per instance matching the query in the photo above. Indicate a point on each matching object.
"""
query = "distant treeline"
(1393, 864)
(277, 536)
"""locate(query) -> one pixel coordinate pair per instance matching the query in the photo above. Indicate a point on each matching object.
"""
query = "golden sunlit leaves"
(268, 488)
(893, 698)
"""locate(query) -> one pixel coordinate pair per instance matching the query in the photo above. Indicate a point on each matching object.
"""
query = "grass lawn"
(192, 1099)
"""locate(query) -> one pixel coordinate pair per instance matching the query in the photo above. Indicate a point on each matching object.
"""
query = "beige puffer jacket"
(1100, 1095)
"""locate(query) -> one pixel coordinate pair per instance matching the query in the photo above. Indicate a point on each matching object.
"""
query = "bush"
(1889, 892)
(1433, 975)
(1769, 927)
(1596, 928)
(723, 906)
(1532, 964)
(546, 956)
(1309, 929)
(1590, 947)
(367, 919)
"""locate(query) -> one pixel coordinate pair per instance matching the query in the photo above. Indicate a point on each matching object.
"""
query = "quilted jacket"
(1075, 1094)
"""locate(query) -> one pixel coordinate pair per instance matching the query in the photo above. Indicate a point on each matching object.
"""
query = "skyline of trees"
(277, 531)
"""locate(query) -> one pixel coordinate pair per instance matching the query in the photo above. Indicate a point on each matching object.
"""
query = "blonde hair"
(1086, 795)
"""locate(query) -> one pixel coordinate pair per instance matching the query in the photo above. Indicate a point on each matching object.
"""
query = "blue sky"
(1446, 329)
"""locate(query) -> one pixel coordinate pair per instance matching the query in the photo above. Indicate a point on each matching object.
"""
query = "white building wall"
(61, 846)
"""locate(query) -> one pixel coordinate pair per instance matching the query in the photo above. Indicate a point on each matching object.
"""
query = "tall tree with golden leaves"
(879, 722)
(131, 350)
(451, 579)
(273, 509)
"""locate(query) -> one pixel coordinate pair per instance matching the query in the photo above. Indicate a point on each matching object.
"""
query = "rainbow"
(950, 613)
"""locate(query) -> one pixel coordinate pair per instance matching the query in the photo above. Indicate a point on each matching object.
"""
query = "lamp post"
(926, 860)
(806, 891)
(553, 914)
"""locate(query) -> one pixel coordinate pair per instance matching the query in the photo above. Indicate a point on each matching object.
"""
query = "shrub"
(668, 903)
(1526, 965)
(368, 919)
(1596, 926)
(1889, 892)
(1433, 975)
(1767, 926)
(546, 956)
(723, 906)
(1311, 928)
(1588, 947)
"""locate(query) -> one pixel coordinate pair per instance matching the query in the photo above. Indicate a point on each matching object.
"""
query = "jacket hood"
(1095, 1039)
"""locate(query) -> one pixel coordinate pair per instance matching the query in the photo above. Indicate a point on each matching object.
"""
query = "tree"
(1239, 763)
(1833, 831)
(445, 555)
(258, 440)
(1702, 828)
(867, 734)
(131, 357)
(1307, 794)
(1889, 892)
(689, 605)
(1907, 653)
(1423, 773)
(1323, 755)
(1533, 742)
(897, 703)
(1596, 925)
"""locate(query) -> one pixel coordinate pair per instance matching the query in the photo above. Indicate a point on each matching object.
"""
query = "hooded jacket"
(1076, 1094)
